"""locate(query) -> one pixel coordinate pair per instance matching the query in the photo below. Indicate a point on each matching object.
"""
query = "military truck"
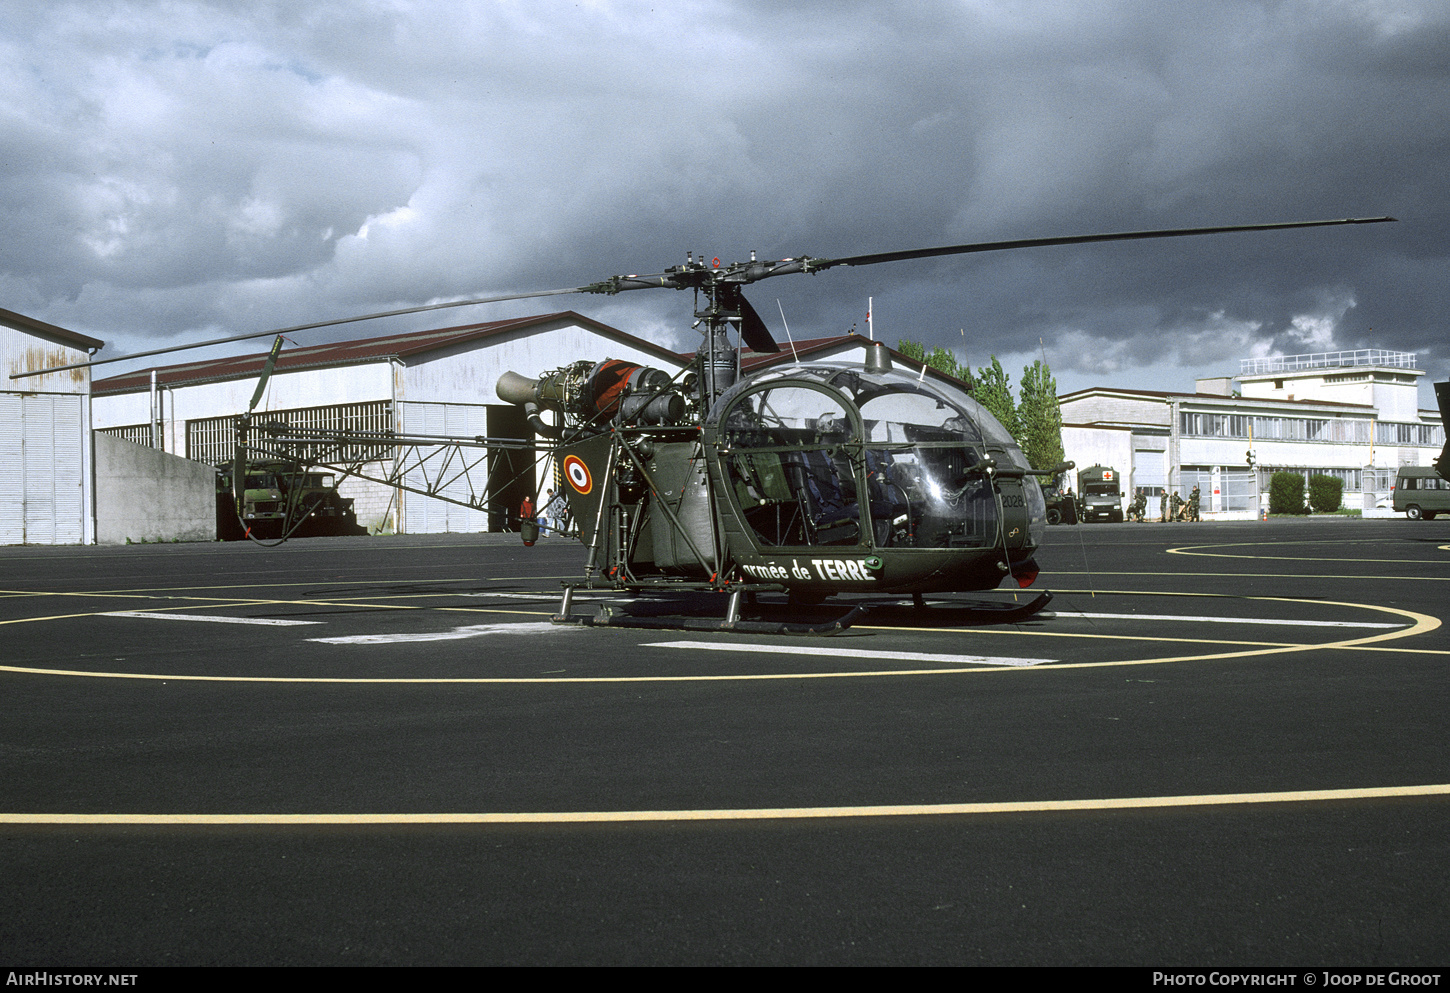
(1061, 507)
(282, 498)
(1100, 494)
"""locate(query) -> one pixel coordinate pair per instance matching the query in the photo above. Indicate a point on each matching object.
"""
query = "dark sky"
(178, 171)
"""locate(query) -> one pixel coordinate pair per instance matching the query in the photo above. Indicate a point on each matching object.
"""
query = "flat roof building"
(1350, 414)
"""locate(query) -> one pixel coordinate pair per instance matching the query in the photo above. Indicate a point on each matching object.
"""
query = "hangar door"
(42, 491)
(424, 515)
(497, 479)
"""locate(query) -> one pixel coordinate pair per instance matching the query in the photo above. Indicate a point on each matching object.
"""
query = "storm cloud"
(176, 171)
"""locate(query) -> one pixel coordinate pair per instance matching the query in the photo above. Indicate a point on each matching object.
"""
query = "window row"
(1334, 430)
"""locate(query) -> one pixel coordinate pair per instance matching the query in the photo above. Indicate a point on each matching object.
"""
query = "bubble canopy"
(843, 456)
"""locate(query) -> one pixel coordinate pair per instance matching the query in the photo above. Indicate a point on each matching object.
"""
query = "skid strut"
(733, 621)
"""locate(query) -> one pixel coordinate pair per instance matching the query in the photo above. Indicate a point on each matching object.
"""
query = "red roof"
(752, 361)
(341, 353)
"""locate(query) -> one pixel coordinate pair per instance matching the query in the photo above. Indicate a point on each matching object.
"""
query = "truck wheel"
(1054, 516)
(1412, 512)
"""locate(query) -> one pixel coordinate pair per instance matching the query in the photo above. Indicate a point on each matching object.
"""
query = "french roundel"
(578, 474)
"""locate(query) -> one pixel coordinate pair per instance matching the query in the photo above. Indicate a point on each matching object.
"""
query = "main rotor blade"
(753, 330)
(266, 374)
(306, 327)
(740, 274)
(998, 246)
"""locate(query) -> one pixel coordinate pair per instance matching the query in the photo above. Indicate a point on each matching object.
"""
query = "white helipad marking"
(209, 618)
(457, 634)
(849, 653)
(1218, 620)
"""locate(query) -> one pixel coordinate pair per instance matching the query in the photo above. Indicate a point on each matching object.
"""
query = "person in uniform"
(1178, 507)
(1194, 499)
(1139, 506)
(1163, 507)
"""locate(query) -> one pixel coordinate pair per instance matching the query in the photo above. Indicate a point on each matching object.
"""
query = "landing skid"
(955, 614)
(732, 623)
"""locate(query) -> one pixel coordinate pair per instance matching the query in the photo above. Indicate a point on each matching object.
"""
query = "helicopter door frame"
(811, 472)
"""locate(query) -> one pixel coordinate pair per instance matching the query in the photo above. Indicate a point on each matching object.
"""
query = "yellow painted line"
(1196, 550)
(1085, 636)
(240, 602)
(1008, 632)
(508, 681)
(1299, 576)
(268, 584)
(1419, 624)
(743, 814)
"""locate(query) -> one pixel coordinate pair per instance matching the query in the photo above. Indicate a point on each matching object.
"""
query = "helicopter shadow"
(777, 614)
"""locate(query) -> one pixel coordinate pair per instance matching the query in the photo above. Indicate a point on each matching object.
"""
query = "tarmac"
(1221, 744)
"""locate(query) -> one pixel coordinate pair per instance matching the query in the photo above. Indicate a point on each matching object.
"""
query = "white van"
(1421, 493)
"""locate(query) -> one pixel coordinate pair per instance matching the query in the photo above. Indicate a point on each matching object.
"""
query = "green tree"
(1286, 493)
(1036, 423)
(1040, 417)
(939, 359)
(911, 349)
(993, 390)
(1326, 493)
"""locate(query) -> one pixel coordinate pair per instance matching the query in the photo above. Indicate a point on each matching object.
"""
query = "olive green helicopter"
(807, 479)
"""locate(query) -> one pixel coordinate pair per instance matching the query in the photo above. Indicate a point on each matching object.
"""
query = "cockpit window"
(787, 452)
(901, 416)
(789, 415)
(912, 475)
(924, 460)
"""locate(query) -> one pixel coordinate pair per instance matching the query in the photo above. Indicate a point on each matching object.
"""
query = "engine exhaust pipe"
(513, 388)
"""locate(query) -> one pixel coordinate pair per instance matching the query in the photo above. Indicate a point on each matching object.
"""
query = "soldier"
(555, 509)
(1193, 504)
(1163, 507)
(1178, 507)
(1139, 510)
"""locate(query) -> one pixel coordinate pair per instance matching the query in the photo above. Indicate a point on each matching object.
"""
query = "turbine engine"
(592, 395)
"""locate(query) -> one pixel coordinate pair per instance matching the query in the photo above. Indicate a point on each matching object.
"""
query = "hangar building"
(437, 382)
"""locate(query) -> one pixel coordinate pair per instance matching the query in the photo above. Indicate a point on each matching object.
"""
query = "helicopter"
(809, 479)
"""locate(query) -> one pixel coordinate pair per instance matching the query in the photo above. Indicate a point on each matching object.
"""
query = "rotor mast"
(717, 360)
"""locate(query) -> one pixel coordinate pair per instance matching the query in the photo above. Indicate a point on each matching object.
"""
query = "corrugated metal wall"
(42, 493)
(423, 515)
